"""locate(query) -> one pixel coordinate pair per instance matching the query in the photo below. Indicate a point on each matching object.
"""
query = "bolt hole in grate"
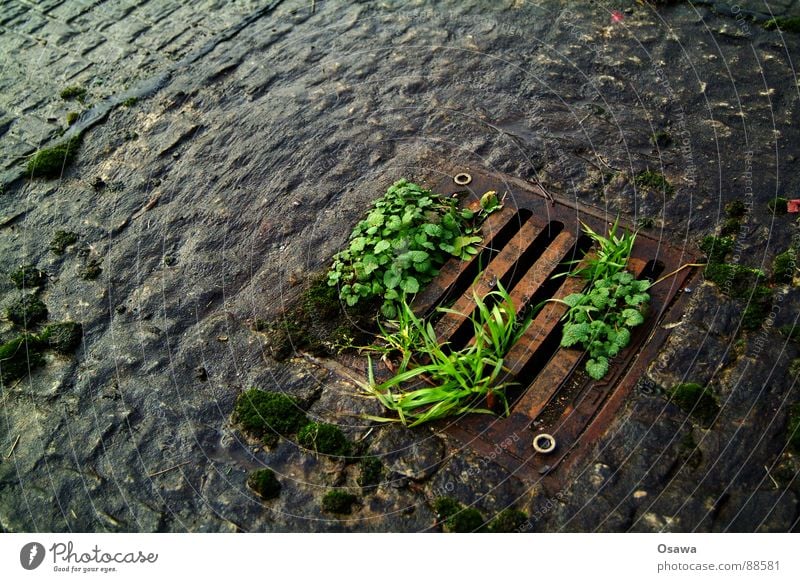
(526, 243)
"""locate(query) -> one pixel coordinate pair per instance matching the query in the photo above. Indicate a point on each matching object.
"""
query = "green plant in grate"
(433, 382)
(397, 249)
(600, 318)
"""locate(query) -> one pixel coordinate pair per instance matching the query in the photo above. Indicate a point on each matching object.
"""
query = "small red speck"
(617, 16)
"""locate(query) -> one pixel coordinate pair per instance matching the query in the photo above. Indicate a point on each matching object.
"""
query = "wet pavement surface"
(259, 134)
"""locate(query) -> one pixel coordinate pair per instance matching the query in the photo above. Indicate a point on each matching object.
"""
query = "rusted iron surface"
(526, 243)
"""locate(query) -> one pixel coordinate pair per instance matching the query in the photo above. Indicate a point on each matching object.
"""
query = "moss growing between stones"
(370, 472)
(91, 270)
(63, 337)
(716, 248)
(784, 23)
(661, 139)
(338, 502)
(778, 205)
(18, 356)
(324, 438)
(27, 311)
(456, 518)
(758, 308)
(696, 400)
(266, 415)
(73, 92)
(730, 226)
(735, 209)
(61, 240)
(51, 162)
(264, 483)
(27, 276)
(508, 521)
(793, 428)
(783, 266)
(654, 181)
(317, 323)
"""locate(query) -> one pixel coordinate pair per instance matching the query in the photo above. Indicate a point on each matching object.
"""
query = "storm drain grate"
(526, 243)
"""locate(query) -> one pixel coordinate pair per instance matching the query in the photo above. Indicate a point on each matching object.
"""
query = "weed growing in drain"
(398, 248)
(457, 382)
(600, 319)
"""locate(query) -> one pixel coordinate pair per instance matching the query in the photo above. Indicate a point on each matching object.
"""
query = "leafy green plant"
(600, 318)
(397, 249)
(455, 381)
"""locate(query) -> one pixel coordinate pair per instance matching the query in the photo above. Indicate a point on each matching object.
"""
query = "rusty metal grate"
(528, 242)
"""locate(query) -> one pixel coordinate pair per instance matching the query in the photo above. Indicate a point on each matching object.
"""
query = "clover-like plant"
(397, 249)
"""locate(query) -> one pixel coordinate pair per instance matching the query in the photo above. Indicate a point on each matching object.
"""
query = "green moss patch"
(266, 415)
(26, 311)
(778, 205)
(793, 427)
(264, 483)
(27, 277)
(654, 181)
(783, 266)
(735, 209)
(72, 117)
(370, 472)
(730, 226)
(696, 400)
(73, 92)
(508, 521)
(457, 518)
(716, 248)
(51, 162)
(61, 240)
(324, 438)
(784, 23)
(18, 356)
(339, 502)
(63, 337)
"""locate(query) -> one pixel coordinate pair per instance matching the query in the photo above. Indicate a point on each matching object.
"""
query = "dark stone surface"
(248, 163)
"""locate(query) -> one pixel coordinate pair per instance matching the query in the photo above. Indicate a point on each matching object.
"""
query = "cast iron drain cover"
(526, 243)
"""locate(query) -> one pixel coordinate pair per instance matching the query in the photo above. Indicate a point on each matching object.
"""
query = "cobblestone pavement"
(260, 135)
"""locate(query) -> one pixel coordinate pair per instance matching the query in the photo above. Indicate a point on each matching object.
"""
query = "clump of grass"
(696, 400)
(459, 381)
(784, 266)
(654, 181)
(264, 483)
(63, 337)
(51, 162)
(27, 277)
(338, 502)
(26, 311)
(61, 240)
(508, 521)
(778, 205)
(73, 92)
(456, 518)
(324, 438)
(266, 415)
(370, 472)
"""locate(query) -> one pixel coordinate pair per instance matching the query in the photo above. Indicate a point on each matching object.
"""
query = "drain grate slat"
(501, 267)
(497, 231)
